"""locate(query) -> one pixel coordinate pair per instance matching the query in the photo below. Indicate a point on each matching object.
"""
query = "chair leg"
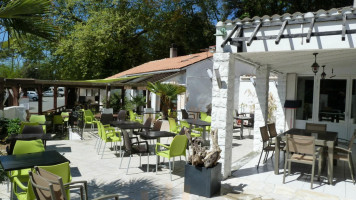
(173, 163)
(140, 161)
(284, 172)
(312, 176)
(102, 155)
(122, 157)
(128, 165)
(170, 169)
(259, 159)
(156, 164)
(351, 168)
(148, 162)
(120, 147)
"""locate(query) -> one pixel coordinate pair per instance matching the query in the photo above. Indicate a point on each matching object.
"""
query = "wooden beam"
(65, 97)
(343, 31)
(230, 35)
(235, 41)
(283, 27)
(249, 42)
(15, 99)
(107, 96)
(122, 98)
(55, 97)
(310, 31)
(40, 99)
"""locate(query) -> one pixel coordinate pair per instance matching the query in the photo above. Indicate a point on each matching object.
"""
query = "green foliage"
(13, 126)
(115, 101)
(128, 104)
(3, 126)
(138, 100)
(167, 92)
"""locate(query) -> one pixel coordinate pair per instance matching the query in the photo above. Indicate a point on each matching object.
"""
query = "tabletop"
(128, 125)
(197, 122)
(23, 161)
(155, 134)
(242, 118)
(326, 136)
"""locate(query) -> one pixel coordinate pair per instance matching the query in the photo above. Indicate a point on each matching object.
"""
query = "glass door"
(333, 105)
(352, 121)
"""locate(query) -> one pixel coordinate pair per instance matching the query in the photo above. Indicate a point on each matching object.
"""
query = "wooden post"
(107, 96)
(40, 99)
(2, 93)
(55, 98)
(15, 99)
(65, 97)
(148, 98)
(122, 98)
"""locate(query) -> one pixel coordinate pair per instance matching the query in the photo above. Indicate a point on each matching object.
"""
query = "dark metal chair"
(134, 148)
(106, 118)
(122, 115)
(185, 114)
(32, 130)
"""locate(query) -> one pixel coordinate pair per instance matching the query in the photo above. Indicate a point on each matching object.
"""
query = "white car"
(32, 95)
(48, 93)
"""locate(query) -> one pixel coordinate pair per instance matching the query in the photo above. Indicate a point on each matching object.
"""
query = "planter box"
(202, 181)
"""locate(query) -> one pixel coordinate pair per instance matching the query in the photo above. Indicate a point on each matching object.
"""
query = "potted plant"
(203, 172)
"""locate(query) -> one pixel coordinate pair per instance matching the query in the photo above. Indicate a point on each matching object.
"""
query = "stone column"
(261, 109)
(222, 107)
(281, 116)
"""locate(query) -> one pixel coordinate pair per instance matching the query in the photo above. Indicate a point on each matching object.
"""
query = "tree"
(167, 92)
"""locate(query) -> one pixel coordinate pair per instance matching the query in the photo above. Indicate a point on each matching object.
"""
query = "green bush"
(13, 126)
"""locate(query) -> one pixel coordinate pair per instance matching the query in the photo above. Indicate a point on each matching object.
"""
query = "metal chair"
(106, 118)
(135, 148)
(345, 154)
(32, 129)
(122, 115)
(266, 145)
(301, 149)
(315, 127)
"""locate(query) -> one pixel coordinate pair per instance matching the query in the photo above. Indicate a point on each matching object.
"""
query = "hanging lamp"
(315, 66)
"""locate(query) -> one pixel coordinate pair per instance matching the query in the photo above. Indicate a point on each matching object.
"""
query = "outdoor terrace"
(248, 182)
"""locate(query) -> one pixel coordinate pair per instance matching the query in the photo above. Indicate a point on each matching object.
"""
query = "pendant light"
(323, 75)
(315, 66)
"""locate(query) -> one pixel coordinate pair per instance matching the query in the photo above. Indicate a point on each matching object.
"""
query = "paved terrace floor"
(105, 177)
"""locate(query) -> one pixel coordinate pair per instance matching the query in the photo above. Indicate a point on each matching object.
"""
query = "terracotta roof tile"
(165, 64)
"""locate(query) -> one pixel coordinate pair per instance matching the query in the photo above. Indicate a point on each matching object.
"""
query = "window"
(305, 92)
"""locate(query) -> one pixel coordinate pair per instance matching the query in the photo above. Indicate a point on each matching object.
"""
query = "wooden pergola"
(132, 82)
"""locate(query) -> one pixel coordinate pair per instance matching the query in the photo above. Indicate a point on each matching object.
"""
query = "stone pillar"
(261, 108)
(222, 107)
(281, 115)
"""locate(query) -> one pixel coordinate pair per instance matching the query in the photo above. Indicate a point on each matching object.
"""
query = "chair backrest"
(203, 115)
(127, 142)
(301, 144)
(148, 122)
(185, 114)
(28, 146)
(65, 114)
(352, 140)
(207, 118)
(315, 127)
(122, 115)
(178, 145)
(272, 130)
(172, 125)
(157, 125)
(108, 111)
(49, 187)
(57, 119)
(23, 124)
(264, 134)
(62, 170)
(33, 129)
(132, 115)
(184, 124)
(106, 118)
(38, 118)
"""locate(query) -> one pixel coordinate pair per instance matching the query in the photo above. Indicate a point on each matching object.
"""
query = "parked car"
(32, 95)
(48, 93)
(60, 91)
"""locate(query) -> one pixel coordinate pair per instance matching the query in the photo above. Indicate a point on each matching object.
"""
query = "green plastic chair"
(135, 117)
(203, 115)
(65, 116)
(89, 119)
(23, 124)
(41, 119)
(58, 121)
(173, 127)
(187, 125)
(177, 148)
(17, 177)
(208, 119)
(108, 135)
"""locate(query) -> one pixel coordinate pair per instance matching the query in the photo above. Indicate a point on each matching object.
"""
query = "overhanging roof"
(343, 61)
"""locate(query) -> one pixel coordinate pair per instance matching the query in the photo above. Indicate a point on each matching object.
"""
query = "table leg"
(204, 133)
(276, 155)
(330, 161)
(158, 159)
(242, 129)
